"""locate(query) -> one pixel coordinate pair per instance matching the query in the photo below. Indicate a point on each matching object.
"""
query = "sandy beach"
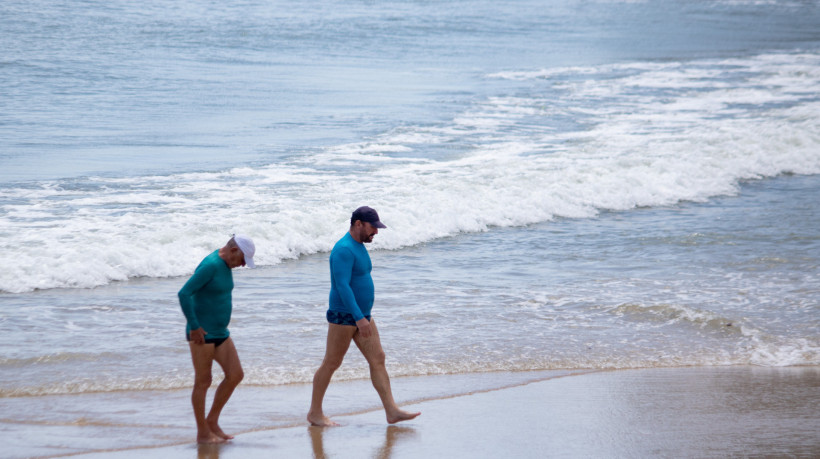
(662, 412)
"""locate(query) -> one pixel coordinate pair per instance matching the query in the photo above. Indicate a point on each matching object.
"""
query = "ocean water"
(567, 185)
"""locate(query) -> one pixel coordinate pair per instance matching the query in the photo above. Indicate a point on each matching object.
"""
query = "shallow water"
(728, 282)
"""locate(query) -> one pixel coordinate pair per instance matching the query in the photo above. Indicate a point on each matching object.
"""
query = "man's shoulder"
(345, 247)
(211, 262)
(340, 249)
(212, 257)
(344, 242)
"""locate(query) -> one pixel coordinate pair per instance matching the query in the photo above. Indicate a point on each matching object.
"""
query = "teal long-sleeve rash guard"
(351, 287)
(206, 298)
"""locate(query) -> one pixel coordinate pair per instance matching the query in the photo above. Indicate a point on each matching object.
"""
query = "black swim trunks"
(342, 318)
(215, 341)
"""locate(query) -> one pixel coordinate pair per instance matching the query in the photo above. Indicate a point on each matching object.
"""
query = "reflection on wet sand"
(209, 450)
(392, 436)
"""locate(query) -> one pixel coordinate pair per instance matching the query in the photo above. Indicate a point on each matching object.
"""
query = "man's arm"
(201, 276)
(364, 327)
(341, 274)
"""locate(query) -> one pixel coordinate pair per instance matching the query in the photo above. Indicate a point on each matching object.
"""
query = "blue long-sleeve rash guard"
(351, 287)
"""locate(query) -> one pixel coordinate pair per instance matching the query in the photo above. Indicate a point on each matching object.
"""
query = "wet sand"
(664, 412)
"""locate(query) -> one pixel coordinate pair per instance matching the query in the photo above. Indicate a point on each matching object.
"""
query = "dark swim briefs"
(215, 341)
(342, 318)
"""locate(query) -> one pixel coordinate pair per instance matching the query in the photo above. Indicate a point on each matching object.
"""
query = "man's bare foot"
(211, 438)
(400, 415)
(215, 429)
(321, 420)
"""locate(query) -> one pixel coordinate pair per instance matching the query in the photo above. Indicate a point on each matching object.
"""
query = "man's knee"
(203, 381)
(236, 376)
(377, 358)
(332, 364)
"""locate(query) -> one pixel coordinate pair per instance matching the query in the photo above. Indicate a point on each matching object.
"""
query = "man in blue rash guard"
(206, 303)
(351, 298)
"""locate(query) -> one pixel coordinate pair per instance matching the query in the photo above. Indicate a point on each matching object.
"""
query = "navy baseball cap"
(367, 214)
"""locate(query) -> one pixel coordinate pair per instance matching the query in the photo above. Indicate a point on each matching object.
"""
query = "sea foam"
(647, 134)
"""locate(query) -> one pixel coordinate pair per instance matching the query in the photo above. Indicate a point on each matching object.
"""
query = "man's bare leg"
(372, 350)
(228, 359)
(338, 341)
(202, 356)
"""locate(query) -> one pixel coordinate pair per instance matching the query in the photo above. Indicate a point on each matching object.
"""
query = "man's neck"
(223, 254)
(354, 236)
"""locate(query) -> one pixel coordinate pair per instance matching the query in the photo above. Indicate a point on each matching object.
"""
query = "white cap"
(245, 244)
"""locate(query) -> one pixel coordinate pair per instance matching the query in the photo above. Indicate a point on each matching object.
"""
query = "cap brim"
(378, 225)
(249, 263)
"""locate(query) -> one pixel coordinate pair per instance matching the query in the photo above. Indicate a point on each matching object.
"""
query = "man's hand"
(364, 327)
(198, 335)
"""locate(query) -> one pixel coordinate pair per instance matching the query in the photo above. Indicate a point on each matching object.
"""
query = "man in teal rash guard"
(206, 303)
(351, 298)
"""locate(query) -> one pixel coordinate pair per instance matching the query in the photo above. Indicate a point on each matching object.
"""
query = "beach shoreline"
(603, 224)
(653, 412)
